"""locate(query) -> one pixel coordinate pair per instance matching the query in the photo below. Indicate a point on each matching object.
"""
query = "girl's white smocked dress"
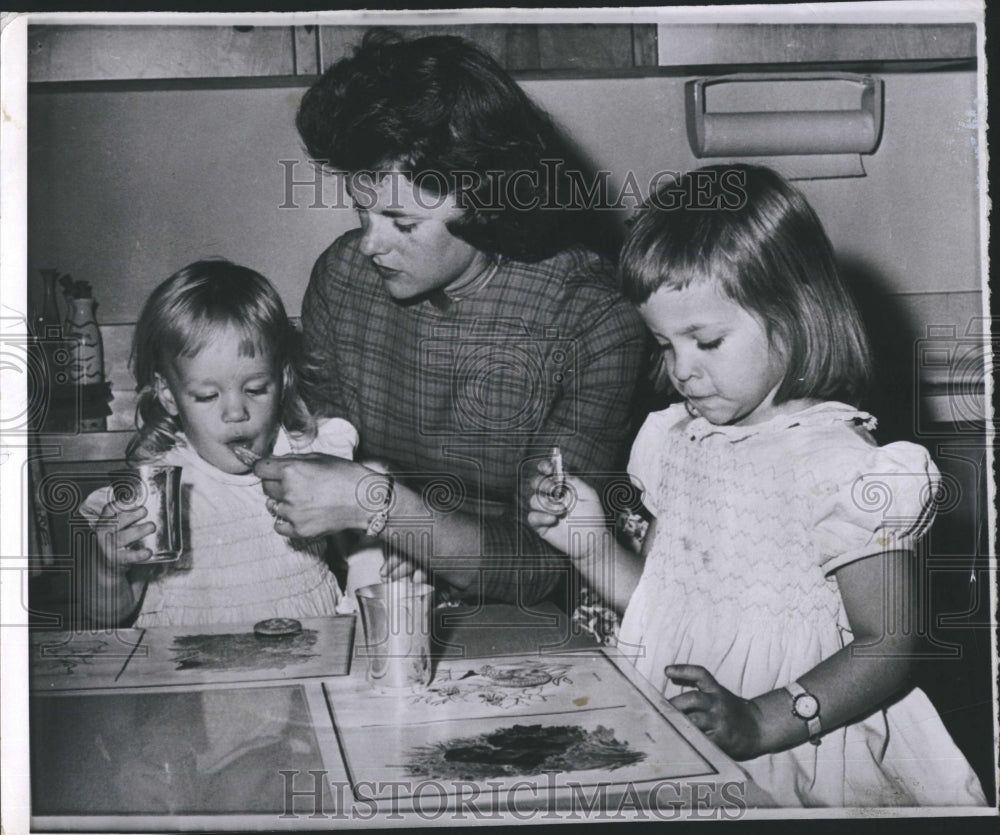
(752, 523)
(235, 567)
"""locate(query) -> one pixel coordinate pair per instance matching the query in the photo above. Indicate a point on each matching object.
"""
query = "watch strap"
(380, 518)
(813, 725)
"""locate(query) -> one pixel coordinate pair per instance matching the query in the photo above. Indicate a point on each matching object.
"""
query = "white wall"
(127, 186)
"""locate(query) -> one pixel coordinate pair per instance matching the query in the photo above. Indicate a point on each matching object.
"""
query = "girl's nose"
(683, 366)
(374, 241)
(234, 409)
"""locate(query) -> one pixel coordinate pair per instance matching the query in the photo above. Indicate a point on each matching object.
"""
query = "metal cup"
(364, 568)
(157, 487)
(396, 617)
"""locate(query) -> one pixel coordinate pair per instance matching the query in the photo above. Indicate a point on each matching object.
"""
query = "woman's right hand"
(315, 495)
(118, 531)
(555, 512)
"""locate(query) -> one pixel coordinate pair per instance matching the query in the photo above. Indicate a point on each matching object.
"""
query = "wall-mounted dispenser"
(791, 114)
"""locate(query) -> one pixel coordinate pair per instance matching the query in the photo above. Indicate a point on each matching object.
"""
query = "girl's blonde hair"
(181, 317)
(744, 228)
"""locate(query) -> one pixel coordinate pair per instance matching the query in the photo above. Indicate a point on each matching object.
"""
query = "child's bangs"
(205, 330)
(668, 251)
(692, 265)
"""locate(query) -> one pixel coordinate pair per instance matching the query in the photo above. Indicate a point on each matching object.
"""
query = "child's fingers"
(704, 722)
(549, 496)
(130, 518)
(547, 499)
(123, 517)
(129, 523)
(544, 502)
(693, 700)
(127, 553)
(545, 483)
(127, 537)
(541, 519)
(694, 675)
(133, 556)
(545, 466)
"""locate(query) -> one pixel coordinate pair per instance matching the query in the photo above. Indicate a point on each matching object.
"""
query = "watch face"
(806, 706)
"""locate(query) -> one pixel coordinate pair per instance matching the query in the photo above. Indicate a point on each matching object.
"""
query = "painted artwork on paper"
(499, 685)
(243, 651)
(522, 721)
(64, 659)
(522, 750)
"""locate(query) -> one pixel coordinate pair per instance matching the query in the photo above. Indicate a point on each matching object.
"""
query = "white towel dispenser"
(747, 115)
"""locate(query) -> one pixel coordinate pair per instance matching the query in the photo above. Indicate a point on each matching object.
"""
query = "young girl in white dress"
(775, 595)
(213, 359)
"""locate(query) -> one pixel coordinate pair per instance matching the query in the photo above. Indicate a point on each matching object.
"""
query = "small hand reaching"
(729, 721)
(561, 507)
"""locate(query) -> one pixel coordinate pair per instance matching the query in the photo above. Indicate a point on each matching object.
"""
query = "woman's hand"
(730, 722)
(118, 531)
(313, 495)
(557, 512)
(397, 567)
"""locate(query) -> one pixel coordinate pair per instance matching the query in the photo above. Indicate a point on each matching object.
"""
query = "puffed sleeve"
(335, 436)
(644, 465)
(870, 500)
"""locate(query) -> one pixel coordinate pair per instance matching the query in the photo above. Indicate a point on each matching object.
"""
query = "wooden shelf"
(72, 53)
(794, 43)
(84, 447)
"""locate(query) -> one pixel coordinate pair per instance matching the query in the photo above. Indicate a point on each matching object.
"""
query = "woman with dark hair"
(444, 115)
(459, 329)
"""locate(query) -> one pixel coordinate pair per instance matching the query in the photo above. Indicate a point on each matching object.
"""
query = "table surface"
(523, 716)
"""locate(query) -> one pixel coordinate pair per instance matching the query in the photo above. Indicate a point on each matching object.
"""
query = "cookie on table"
(277, 627)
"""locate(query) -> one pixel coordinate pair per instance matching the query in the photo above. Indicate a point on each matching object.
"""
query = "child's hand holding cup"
(120, 534)
(146, 509)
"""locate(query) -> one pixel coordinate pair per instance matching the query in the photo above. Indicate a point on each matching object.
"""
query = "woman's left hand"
(397, 568)
(730, 722)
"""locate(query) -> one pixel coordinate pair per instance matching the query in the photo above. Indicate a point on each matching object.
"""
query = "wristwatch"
(805, 706)
(377, 521)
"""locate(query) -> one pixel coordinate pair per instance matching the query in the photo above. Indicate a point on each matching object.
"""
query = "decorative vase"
(81, 326)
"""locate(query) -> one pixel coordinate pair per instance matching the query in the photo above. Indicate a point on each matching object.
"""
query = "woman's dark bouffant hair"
(756, 238)
(181, 317)
(433, 107)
